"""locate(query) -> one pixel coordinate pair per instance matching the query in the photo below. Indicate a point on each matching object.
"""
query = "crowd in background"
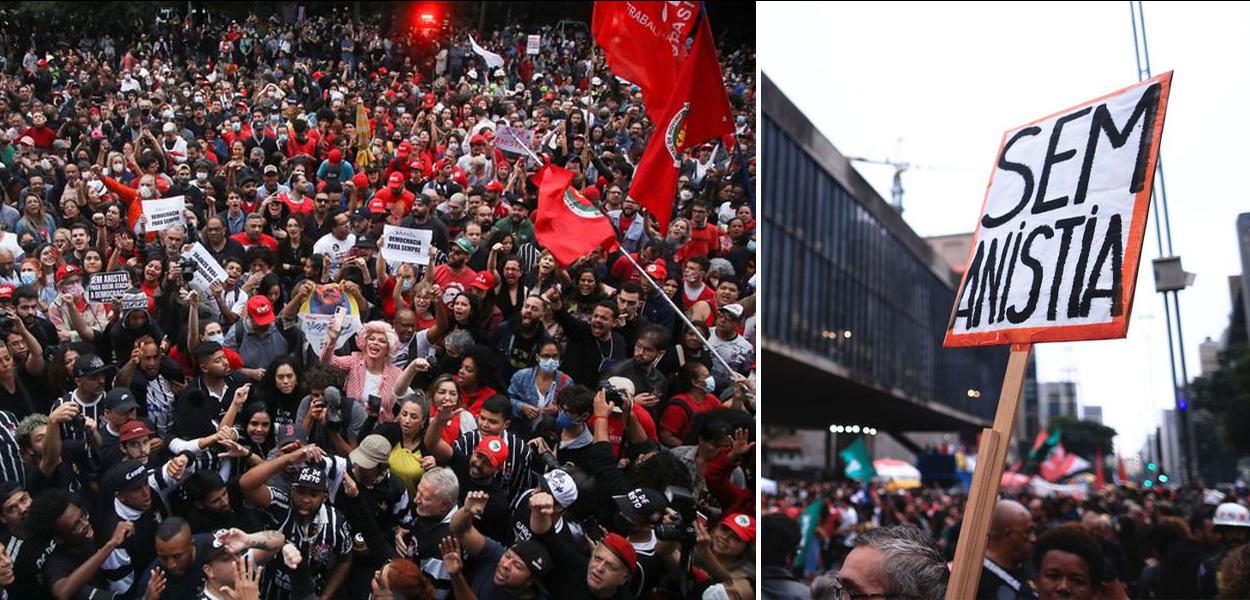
(494, 424)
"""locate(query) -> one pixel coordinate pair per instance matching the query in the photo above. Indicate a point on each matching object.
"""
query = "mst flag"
(566, 223)
(645, 43)
(696, 110)
(858, 462)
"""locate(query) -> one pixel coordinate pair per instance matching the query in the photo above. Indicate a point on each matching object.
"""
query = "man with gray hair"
(895, 562)
(433, 507)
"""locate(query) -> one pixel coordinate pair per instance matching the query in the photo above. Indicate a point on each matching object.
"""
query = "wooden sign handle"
(992, 453)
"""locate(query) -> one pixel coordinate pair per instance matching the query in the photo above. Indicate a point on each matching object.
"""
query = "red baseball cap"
(396, 178)
(741, 524)
(404, 149)
(377, 206)
(336, 155)
(6, 291)
(494, 186)
(429, 100)
(494, 447)
(260, 309)
(485, 280)
(133, 430)
(477, 139)
(67, 270)
(657, 270)
(622, 548)
(360, 180)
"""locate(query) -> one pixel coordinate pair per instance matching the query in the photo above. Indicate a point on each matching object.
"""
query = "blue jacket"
(522, 390)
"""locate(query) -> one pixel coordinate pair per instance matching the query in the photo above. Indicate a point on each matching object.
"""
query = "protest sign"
(133, 301)
(207, 269)
(531, 44)
(514, 139)
(405, 245)
(1054, 258)
(161, 213)
(318, 311)
(107, 287)
(1057, 246)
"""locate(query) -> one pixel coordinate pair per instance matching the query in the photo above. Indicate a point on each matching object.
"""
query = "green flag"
(858, 462)
(808, 522)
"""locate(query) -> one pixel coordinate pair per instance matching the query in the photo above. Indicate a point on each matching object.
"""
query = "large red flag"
(567, 223)
(1121, 472)
(696, 111)
(645, 43)
(1100, 479)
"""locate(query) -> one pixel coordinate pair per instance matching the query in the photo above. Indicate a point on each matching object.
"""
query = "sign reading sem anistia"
(1059, 239)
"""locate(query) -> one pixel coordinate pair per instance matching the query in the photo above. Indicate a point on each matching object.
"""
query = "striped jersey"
(323, 540)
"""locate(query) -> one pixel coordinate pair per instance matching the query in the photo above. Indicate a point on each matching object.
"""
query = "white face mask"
(146, 191)
(118, 168)
(217, 337)
(709, 384)
(686, 194)
(201, 176)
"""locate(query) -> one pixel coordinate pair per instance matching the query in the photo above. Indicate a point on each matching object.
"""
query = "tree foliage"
(1084, 438)
(1226, 393)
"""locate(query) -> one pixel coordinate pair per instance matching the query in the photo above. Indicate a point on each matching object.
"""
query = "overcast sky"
(948, 79)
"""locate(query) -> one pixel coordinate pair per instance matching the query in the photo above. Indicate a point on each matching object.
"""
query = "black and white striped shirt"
(517, 473)
(90, 410)
(324, 541)
(12, 468)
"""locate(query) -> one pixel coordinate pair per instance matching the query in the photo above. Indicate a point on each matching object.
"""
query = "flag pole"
(658, 287)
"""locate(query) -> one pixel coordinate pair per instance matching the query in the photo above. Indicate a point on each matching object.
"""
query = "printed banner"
(207, 269)
(405, 245)
(161, 213)
(531, 44)
(107, 287)
(318, 311)
(514, 139)
(1058, 242)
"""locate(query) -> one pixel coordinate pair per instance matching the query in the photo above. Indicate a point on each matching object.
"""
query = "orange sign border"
(1118, 326)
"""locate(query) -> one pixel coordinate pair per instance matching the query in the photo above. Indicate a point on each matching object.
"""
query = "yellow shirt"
(406, 465)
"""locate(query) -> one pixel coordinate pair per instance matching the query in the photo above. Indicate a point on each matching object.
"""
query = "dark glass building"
(857, 302)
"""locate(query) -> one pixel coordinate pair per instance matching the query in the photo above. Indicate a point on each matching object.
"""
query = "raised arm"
(462, 522)
(434, 442)
(253, 483)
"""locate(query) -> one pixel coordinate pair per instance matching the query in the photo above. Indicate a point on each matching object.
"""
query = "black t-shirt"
(28, 559)
(62, 563)
(189, 583)
(495, 519)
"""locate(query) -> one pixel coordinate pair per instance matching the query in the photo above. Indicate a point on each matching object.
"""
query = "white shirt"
(336, 249)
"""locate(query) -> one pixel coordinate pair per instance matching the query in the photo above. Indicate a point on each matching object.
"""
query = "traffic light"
(1152, 467)
(1163, 478)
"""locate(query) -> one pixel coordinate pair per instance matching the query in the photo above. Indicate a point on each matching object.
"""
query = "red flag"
(1099, 478)
(696, 111)
(566, 223)
(644, 43)
(1122, 472)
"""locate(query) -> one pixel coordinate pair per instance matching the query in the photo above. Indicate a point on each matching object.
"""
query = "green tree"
(1084, 437)
(1226, 393)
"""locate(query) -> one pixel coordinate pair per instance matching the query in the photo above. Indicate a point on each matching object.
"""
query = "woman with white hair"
(371, 370)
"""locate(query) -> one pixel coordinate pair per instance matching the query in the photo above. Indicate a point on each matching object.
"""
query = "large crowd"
(1124, 541)
(492, 425)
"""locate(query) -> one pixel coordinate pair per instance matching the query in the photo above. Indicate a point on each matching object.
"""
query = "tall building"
(1209, 356)
(861, 302)
(1093, 413)
(1054, 399)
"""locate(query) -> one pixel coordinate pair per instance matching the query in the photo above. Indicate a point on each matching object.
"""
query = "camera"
(682, 501)
(188, 267)
(333, 400)
(612, 394)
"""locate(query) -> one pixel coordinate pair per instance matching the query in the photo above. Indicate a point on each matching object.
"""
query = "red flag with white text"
(566, 223)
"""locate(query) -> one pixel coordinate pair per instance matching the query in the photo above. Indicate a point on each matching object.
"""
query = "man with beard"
(735, 349)
(395, 197)
(456, 273)
(218, 244)
(336, 244)
(633, 227)
(178, 571)
(517, 223)
(422, 218)
(77, 564)
(380, 507)
(26, 554)
(154, 379)
(650, 385)
(516, 341)
(434, 506)
(454, 214)
(442, 184)
(318, 530)
(489, 570)
(516, 472)
(476, 471)
(592, 347)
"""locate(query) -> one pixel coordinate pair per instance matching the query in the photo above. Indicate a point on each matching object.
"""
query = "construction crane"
(896, 190)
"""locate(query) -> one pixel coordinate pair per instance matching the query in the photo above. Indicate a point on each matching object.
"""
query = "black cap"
(536, 557)
(312, 478)
(8, 488)
(119, 399)
(89, 364)
(128, 474)
(641, 504)
(365, 242)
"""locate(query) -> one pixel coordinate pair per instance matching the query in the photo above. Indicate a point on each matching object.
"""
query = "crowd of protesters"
(1122, 542)
(496, 425)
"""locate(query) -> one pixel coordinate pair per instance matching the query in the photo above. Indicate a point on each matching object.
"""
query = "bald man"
(1008, 551)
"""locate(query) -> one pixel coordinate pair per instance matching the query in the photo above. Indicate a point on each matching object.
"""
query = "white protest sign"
(1058, 242)
(531, 44)
(514, 139)
(135, 301)
(316, 330)
(107, 287)
(161, 213)
(207, 269)
(405, 245)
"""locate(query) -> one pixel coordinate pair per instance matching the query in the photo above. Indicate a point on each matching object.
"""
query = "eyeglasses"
(841, 593)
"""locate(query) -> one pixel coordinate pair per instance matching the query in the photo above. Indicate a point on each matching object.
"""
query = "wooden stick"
(992, 453)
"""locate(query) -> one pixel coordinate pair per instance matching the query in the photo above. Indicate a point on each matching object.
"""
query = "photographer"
(609, 568)
(325, 417)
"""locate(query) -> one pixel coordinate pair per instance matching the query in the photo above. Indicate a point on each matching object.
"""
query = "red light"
(427, 18)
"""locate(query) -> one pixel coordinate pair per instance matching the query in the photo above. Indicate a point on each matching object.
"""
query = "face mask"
(118, 168)
(201, 176)
(564, 421)
(237, 126)
(453, 148)
(399, 110)
(709, 384)
(147, 191)
(183, 180)
(548, 365)
(686, 194)
(167, 115)
(28, 277)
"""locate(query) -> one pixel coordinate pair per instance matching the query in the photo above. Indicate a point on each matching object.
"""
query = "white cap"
(596, 81)
(563, 488)
(1231, 514)
(169, 127)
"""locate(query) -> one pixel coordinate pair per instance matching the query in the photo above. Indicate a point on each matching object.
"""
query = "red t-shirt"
(623, 271)
(445, 277)
(299, 203)
(616, 428)
(184, 360)
(675, 420)
(404, 199)
(707, 294)
(702, 241)
(266, 240)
